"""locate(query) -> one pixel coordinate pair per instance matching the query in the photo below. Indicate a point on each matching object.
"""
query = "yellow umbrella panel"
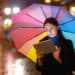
(28, 49)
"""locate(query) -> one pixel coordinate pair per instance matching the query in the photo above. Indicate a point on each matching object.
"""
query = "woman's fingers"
(58, 48)
(40, 54)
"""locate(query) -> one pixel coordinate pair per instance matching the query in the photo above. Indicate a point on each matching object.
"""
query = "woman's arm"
(39, 63)
(71, 55)
(38, 66)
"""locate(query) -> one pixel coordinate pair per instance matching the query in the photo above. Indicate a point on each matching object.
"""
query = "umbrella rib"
(58, 12)
(68, 31)
(31, 38)
(30, 27)
(39, 27)
(36, 35)
(24, 27)
(68, 21)
(34, 18)
(43, 12)
(27, 25)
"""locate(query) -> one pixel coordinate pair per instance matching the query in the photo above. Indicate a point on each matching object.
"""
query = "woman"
(59, 62)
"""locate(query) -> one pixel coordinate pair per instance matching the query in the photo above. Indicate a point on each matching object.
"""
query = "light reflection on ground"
(16, 64)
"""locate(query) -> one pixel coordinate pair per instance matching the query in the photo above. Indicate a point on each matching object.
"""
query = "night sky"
(23, 3)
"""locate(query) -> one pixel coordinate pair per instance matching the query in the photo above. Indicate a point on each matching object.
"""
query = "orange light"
(72, 10)
(56, 0)
(2, 37)
(1, 28)
(48, 1)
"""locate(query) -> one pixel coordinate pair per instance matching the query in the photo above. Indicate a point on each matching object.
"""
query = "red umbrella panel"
(25, 38)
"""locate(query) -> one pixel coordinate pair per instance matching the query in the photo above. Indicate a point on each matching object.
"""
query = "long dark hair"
(53, 21)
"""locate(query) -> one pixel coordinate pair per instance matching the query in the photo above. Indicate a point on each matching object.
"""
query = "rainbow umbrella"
(27, 28)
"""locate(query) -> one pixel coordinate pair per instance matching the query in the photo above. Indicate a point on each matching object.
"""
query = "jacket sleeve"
(38, 66)
(71, 55)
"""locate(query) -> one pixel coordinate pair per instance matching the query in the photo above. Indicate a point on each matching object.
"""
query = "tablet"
(45, 46)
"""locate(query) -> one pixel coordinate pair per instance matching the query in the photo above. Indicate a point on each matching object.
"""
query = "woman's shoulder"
(67, 41)
(69, 45)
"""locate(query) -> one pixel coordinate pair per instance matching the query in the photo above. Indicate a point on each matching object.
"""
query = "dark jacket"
(51, 66)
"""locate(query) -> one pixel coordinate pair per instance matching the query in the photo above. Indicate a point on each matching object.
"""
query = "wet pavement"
(14, 63)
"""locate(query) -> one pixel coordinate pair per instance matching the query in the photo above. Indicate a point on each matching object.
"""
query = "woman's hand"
(40, 54)
(56, 54)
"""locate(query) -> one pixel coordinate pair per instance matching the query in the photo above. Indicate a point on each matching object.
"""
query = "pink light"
(9, 68)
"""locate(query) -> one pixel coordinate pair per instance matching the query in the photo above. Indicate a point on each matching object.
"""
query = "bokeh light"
(7, 23)
(72, 10)
(57, 0)
(7, 11)
(16, 10)
(19, 67)
(48, 1)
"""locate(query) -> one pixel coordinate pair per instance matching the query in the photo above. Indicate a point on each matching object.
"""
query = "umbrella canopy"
(27, 28)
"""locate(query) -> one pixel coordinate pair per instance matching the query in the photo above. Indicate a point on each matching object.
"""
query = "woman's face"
(51, 29)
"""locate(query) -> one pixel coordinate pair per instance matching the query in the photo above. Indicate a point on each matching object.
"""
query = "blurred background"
(11, 61)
